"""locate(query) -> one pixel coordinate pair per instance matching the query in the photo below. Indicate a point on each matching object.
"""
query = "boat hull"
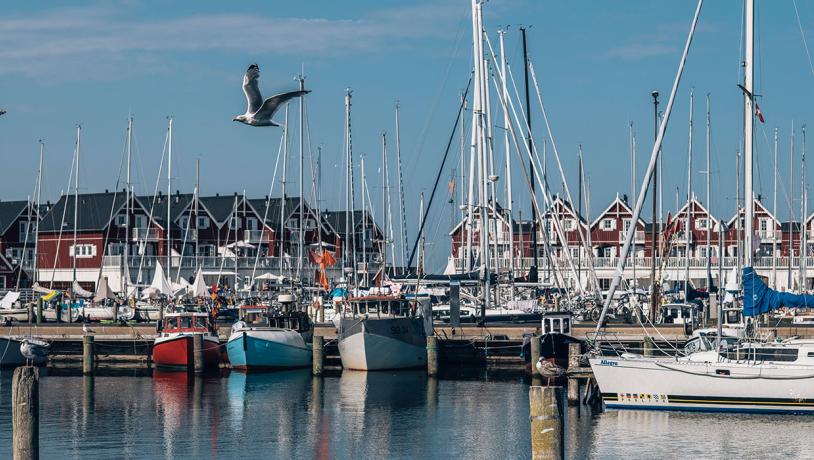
(176, 352)
(663, 384)
(381, 344)
(250, 350)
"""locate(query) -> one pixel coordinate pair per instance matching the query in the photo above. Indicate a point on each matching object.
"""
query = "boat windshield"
(772, 354)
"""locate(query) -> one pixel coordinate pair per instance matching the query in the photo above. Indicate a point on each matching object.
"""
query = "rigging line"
(440, 171)
(64, 213)
(803, 36)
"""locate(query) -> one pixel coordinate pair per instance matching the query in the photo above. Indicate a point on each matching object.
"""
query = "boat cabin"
(380, 306)
(793, 352)
(679, 313)
(732, 317)
(443, 314)
(557, 323)
(253, 314)
(185, 322)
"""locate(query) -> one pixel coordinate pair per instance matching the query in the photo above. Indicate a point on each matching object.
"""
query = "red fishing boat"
(173, 348)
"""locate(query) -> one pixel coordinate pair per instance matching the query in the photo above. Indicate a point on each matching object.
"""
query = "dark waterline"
(364, 415)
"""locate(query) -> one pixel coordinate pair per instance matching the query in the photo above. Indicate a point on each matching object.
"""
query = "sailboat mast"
(169, 194)
(364, 218)
(632, 196)
(124, 283)
(195, 207)
(528, 141)
(774, 212)
(285, 197)
(688, 223)
(803, 214)
(75, 215)
(301, 236)
(507, 153)
(384, 202)
(37, 199)
(402, 216)
(709, 203)
(748, 125)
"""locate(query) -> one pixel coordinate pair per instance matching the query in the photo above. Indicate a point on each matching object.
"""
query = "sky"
(64, 63)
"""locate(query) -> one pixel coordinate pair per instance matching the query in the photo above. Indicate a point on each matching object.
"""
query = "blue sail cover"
(759, 299)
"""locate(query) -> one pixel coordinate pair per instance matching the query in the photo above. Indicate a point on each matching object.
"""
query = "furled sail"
(759, 299)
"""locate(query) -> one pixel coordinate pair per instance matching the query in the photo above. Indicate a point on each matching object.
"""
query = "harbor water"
(364, 415)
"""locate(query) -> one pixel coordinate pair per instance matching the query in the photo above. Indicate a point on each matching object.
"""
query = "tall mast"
(655, 224)
(285, 197)
(301, 236)
(75, 214)
(709, 202)
(528, 141)
(579, 212)
(124, 284)
(364, 218)
(507, 152)
(350, 217)
(803, 214)
(688, 224)
(195, 207)
(402, 217)
(37, 199)
(384, 201)
(169, 194)
(481, 81)
(774, 212)
(748, 125)
(632, 193)
(791, 208)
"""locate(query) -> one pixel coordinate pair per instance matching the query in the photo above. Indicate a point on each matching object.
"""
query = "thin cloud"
(59, 42)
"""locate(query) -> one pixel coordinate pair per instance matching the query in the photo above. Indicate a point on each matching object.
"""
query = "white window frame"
(252, 223)
(140, 221)
(121, 220)
(608, 224)
(202, 222)
(702, 223)
(82, 251)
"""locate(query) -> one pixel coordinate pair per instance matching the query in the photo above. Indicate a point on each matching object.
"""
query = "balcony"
(768, 236)
(146, 234)
(255, 236)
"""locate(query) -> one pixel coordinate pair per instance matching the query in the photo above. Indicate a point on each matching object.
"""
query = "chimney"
(217, 194)
(624, 198)
(106, 191)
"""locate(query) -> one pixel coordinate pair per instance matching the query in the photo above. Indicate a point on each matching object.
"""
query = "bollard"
(30, 312)
(536, 349)
(573, 392)
(546, 423)
(25, 413)
(649, 346)
(39, 310)
(317, 346)
(197, 353)
(574, 352)
(87, 354)
(432, 355)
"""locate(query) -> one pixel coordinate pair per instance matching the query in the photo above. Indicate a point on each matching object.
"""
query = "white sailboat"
(749, 377)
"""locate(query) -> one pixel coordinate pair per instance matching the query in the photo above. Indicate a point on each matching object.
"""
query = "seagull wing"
(251, 90)
(270, 105)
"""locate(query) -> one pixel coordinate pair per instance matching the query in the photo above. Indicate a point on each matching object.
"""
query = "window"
(626, 225)
(183, 222)
(604, 284)
(24, 226)
(608, 224)
(115, 249)
(251, 223)
(234, 222)
(140, 221)
(121, 220)
(206, 250)
(701, 224)
(568, 224)
(82, 251)
(574, 252)
(203, 222)
(608, 251)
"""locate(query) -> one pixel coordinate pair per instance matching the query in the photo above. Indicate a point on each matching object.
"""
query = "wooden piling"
(30, 312)
(39, 310)
(573, 392)
(318, 348)
(536, 349)
(432, 355)
(546, 423)
(574, 352)
(197, 353)
(87, 354)
(25, 413)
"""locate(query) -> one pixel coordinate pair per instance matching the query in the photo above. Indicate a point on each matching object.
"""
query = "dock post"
(546, 423)
(197, 353)
(25, 413)
(573, 391)
(574, 352)
(39, 310)
(432, 355)
(318, 347)
(536, 349)
(30, 312)
(649, 346)
(87, 355)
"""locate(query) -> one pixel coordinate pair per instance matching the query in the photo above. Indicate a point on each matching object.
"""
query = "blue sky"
(92, 63)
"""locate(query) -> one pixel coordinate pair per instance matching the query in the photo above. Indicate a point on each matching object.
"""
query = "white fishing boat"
(384, 333)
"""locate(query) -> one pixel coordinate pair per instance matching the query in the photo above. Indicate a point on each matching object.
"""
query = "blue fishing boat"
(265, 340)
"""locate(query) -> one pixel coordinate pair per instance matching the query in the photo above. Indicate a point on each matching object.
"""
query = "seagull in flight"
(259, 111)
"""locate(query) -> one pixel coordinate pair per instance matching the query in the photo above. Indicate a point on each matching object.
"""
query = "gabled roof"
(757, 204)
(698, 205)
(220, 207)
(565, 205)
(274, 209)
(93, 214)
(10, 211)
(179, 202)
(621, 203)
(337, 220)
